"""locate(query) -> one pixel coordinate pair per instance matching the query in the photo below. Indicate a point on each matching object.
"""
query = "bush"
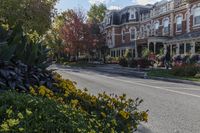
(102, 113)
(186, 70)
(26, 113)
(123, 62)
(133, 63)
(194, 58)
(144, 63)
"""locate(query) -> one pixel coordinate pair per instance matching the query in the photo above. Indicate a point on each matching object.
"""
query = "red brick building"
(173, 26)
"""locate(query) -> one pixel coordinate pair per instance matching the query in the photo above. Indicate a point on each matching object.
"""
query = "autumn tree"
(75, 32)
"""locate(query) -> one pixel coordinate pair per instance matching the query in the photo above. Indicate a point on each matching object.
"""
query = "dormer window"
(132, 14)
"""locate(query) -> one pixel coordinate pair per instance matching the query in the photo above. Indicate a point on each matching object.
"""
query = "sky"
(111, 4)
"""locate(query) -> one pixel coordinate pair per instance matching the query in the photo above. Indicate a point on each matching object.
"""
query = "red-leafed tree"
(80, 35)
(75, 32)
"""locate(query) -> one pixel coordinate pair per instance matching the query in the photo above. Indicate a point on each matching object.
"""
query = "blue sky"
(85, 4)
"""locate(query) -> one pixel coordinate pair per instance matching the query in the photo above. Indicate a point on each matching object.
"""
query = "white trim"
(133, 28)
(123, 33)
(193, 13)
(179, 15)
(163, 30)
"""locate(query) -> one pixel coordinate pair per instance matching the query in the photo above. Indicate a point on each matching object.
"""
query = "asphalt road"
(174, 107)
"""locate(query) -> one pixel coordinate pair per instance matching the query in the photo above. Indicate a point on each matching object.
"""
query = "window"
(197, 16)
(156, 26)
(123, 35)
(132, 32)
(148, 30)
(132, 14)
(179, 23)
(142, 31)
(166, 25)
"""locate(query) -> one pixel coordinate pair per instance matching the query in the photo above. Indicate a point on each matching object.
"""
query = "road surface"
(174, 107)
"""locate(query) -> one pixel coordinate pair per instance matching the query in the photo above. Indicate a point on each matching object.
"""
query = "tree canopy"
(96, 13)
(33, 15)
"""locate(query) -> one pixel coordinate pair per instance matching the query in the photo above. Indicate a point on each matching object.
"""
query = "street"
(173, 107)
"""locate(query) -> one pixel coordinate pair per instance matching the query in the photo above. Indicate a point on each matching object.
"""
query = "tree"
(33, 15)
(96, 13)
(75, 31)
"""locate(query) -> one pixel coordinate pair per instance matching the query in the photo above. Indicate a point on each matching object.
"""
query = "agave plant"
(20, 47)
(16, 75)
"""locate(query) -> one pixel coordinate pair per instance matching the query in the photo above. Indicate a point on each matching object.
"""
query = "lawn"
(79, 64)
(167, 74)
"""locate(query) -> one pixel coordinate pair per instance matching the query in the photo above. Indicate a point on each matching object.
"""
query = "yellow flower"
(103, 114)
(124, 114)
(145, 116)
(114, 122)
(21, 129)
(20, 115)
(4, 127)
(28, 112)
(42, 90)
(12, 122)
(32, 91)
(9, 111)
(74, 103)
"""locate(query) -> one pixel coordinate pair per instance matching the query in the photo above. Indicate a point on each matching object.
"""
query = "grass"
(168, 74)
(79, 64)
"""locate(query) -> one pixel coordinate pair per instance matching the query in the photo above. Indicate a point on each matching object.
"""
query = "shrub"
(194, 58)
(160, 60)
(123, 62)
(133, 63)
(145, 53)
(144, 63)
(16, 75)
(102, 113)
(26, 113)
(186, 70)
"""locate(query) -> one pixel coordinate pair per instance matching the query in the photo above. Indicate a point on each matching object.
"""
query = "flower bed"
(102, 113)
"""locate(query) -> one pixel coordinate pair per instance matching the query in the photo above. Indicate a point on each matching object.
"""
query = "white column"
(171, 47)
(165, 48)
(154, 45)
(177, 48)
(113, 36)
(193, 47)
(136, 52)
(185, 48)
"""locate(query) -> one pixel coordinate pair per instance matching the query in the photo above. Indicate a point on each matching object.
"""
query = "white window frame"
(194, 12)
(157, 22)
(132, 12)
(132, 29)
(148, 28)
(181, 16)
(123, 32)
(164, 20)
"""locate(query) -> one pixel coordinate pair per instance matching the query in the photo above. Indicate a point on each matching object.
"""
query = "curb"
(176, 80)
